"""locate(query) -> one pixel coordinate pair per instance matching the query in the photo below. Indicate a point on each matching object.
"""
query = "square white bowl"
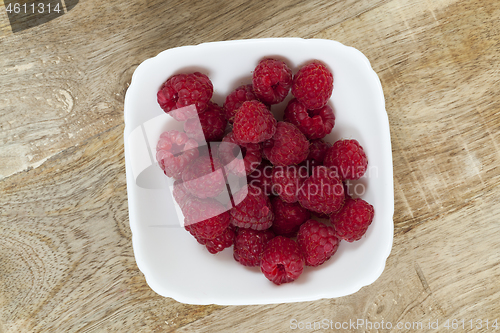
(172, 262)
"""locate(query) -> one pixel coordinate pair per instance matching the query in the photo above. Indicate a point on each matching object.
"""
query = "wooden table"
(66, 258)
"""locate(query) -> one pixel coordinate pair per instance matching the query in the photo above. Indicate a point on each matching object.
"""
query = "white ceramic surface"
(174, 264)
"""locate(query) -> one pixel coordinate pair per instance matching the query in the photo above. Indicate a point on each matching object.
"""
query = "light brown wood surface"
(66, 258)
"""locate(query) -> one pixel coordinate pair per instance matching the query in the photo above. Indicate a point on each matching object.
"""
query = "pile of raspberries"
(293, 179)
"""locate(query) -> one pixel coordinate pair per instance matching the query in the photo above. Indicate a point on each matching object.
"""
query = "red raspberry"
(253, 123)
(317, 242)
(182, 90)
(313, 85)
(174, 151)
(205, 218)
(322, 192)
(348, 158)
(315, 124)
(222, 242)
(288, 145)
(352, 221)
(287, 181)
(203, 177)
(262, 177)
(209, 127)
(288, 217)
(281, 260)
(251, 153)
(219, 243)
(272, 80)
(249, 244)
(235, 99)
(252, 209)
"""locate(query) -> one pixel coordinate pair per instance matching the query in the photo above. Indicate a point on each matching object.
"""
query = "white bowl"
(174, 264)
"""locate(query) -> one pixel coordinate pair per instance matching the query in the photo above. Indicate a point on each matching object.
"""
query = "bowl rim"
(386, 133)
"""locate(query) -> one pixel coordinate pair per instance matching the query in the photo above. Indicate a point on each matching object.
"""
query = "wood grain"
(60, 87)
(443, 69)
(66, 260)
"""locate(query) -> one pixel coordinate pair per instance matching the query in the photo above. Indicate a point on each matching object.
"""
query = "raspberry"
(262, 177)
(203, 177)
(251, 153)
(221, 242)
(281, 260)
(253, 123)
(288, 145)
(218, 243)
(315, 124)
(352, 221)
(348, 158)
(174, 152)
(287, 181)
(249, 244)
(252, 209)
(313, 85)
(235, 99)
(322, 192)
(271, 80)
(209, 127)
(317, 242)
(288, 217)
(182, 90)
(205, 218)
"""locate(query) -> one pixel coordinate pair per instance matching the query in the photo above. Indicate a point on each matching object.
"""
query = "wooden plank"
(66, 258)
(439, 69)
(66, 262)
(5, 29)
(64, 81)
